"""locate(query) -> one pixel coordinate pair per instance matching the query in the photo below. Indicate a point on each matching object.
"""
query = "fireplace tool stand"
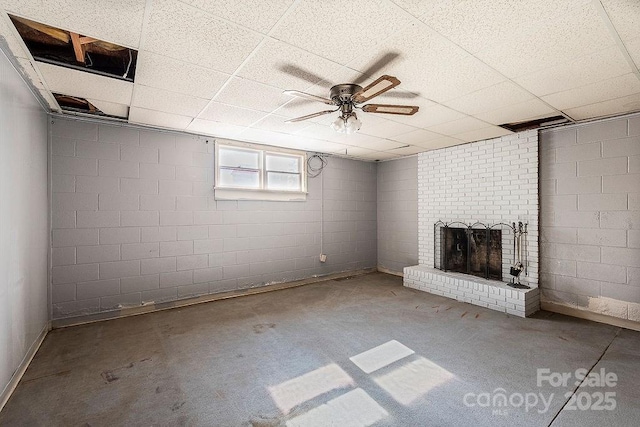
(519, 251)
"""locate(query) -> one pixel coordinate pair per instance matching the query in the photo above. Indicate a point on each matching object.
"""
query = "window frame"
(261, 193)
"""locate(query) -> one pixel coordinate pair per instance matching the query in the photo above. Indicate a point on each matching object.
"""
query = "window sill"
(269, 195)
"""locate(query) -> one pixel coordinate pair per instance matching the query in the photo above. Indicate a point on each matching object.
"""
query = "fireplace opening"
(468, 250)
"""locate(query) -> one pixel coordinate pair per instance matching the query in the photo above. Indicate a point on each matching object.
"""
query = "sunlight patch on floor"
(292, 393)
(381, 356)
(408, 382)
(353, 409)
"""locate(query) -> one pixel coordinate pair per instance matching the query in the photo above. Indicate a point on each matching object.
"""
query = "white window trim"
(228, 193)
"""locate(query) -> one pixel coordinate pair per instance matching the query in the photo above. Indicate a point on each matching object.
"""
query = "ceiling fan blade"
(300, 73)
(379, 86)
(308, 96)
(310, 116)
(401, 95)
(405, 110)
(374, 68)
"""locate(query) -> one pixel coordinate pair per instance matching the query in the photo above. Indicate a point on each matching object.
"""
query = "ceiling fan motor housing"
(342, 93)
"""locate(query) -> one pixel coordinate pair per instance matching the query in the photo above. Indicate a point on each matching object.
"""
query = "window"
(251, 172)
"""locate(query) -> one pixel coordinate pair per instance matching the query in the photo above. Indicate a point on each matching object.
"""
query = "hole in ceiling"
(75, 104)
(533, 124)
(72, 50)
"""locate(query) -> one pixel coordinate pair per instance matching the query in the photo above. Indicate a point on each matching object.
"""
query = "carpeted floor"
(364, 351)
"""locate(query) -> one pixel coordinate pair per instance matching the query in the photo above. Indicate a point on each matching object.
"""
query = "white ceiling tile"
(481, 134)
(354, 151)
(434, 115)
(253, 95)
(232, 115)
(158, 118)
(276, 123)
(317, 145)
(111, 108)
(474, 24)
(86, 85)
(633, 47)
(616, 87)
(178, 76)
(298, 107)
(445, 80)
(183, 32)
(407, 150)
(441, 142)
(296, 142)
(430, 65)
(321, 131)
(288, 67)
(622, 105)
(115, 21)
(260, 16)
(374, 124)
(601, 65)
(169, 102)
(490, 98)
(209, 127)
(624, 15)
(559, 51)
(354, 26)
(417, 137)
(531, 109)
(379, 144)
(465, 124)
(550, 43)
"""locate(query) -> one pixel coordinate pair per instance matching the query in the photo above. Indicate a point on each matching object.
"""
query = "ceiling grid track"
(265, 37)
(489, 66)
(145, 21)
(614, 34)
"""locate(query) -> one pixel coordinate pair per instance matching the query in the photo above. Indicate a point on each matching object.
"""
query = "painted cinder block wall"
(590, 217)
(135, 221)
(397, 214)
(24, 225)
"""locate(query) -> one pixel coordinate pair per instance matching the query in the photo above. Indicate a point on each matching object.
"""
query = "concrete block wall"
(488, 181)
(135, 222)
(24, 226)
(590, 217)
(398, 214)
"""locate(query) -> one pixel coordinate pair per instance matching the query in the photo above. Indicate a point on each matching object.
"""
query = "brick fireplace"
(490, 183)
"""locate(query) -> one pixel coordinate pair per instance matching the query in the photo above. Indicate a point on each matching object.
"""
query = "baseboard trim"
(22, 368)
(589, 315)
(136, 311)
(387, 271)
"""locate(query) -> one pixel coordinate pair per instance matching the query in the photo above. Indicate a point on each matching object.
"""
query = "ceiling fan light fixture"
(352, 124)
(339, 125)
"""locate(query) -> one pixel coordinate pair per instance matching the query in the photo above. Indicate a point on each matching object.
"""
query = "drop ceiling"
(219, 68)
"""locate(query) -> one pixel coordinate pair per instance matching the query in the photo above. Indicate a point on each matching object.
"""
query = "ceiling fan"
(346, 98)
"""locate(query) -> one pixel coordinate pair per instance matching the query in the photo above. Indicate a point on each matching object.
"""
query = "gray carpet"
(285, 358)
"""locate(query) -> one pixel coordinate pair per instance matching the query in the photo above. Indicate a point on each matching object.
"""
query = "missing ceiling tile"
(75, 104)
(72, 50)
(533, 124)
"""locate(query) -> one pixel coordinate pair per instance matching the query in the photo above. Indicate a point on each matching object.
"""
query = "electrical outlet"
(323, 258)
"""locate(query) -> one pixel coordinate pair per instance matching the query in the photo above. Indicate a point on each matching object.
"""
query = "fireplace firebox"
(474, 250)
